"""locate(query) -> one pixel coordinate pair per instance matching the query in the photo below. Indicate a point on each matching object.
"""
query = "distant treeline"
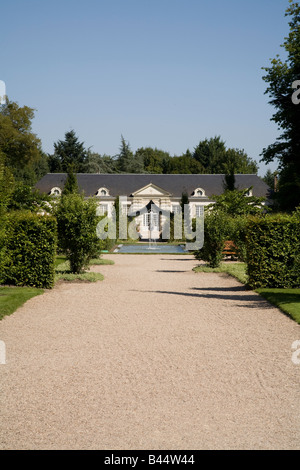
(21, 151)
(210, 156)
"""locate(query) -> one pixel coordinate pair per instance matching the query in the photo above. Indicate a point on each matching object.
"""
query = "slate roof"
(126, 184)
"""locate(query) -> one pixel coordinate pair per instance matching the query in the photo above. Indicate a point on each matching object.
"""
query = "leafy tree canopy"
(153, 159)
(68, 152)
(128, 162)
(96, 163)
(7, 183)
(24, 197)
(71, 184)
(214, 158)
(280, 77)
(20, 146)
(237, 202)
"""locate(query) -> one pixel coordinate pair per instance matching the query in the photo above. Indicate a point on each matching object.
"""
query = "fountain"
(152, 244)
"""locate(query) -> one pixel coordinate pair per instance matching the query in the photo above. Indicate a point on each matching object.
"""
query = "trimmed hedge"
(217, 229)
(273, 251)
(77, 221)
(31, 249)
(4, 256)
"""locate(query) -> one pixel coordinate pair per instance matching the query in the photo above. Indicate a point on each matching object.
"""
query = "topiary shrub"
(217, 229)
(30, 250)
(273, 251)
(77, 220)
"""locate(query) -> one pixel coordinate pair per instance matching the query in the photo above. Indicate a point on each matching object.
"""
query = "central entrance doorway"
(151, 224)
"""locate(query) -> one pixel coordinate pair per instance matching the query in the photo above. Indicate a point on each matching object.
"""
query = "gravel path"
(153, 357)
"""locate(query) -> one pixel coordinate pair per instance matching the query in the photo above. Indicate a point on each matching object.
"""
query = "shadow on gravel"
(169, 271)
(178, 259)
(222, 289)
(248, 301)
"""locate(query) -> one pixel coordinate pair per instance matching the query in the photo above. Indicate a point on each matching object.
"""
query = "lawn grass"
(288, 300)
(101, 261)
(12, 298)
(71, 277)
(62, 271)
(237, 270)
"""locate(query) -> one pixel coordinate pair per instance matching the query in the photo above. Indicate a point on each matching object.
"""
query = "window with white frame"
(124, 209)
(102, 192)
(199, 192)
(199, 210)
(150, 219)
(55, 191)
(103, 209)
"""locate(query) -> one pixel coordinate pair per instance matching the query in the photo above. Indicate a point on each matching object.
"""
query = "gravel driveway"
(153, 357)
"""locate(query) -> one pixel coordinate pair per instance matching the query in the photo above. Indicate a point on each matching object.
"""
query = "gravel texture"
(153, 357)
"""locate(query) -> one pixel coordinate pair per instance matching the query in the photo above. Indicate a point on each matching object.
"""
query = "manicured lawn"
(237, 270)
(86, 276)
(95, 261)
(101, 261)
(12, 298)
(288, 300)
(62, 271)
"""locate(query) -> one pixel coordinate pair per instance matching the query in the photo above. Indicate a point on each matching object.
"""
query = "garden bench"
(229, 249)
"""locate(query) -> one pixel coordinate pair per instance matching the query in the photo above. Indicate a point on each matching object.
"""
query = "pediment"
(151, 190)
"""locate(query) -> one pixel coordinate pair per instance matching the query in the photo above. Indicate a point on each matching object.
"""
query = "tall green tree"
(210, 154)
(7, 185)
(125, 157)
(184, 164)
(229, 180)
(71, 184)
(153, 159)
(269, 178)
(128, 162)
(96, 163)
(21, 148)
(215, 158)
(68, 152)
(281, 78)
(237, 203)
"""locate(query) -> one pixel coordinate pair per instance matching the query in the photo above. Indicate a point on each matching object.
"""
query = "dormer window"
(249, 193)
(102, 192)
(199, 192)
(55, 191)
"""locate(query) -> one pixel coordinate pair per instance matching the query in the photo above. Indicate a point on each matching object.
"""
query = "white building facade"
(151, 199)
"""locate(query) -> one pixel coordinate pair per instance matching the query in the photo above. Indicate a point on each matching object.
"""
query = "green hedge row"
(4, 257)
(219, 227)
(273, 251)
(30, 249)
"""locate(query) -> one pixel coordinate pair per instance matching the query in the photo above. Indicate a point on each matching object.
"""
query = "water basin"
(150, 248)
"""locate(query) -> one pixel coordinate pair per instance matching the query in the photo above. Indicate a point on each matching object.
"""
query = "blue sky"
(163, 73)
